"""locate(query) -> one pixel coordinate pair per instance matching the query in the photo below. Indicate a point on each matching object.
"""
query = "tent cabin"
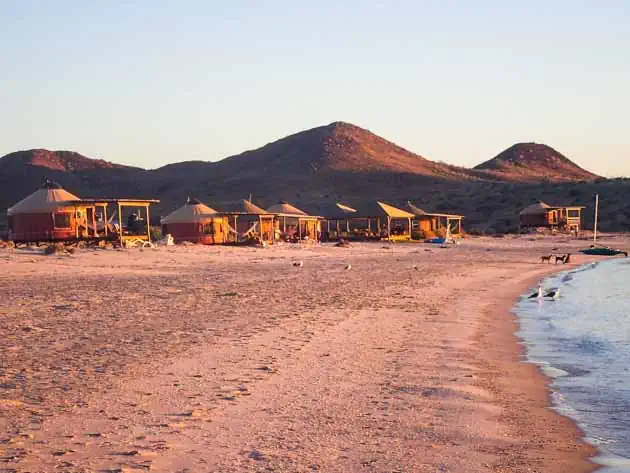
(542, 215)
(52, 214)
(385, 221)
(44, 215)
(197, 223)
(249, 221)
(293, 224)
(434, 223)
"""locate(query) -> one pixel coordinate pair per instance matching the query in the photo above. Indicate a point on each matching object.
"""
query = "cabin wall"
(537, 220)
(212, 232)
(40, 227)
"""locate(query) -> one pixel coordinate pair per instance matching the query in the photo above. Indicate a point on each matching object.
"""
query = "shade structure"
(284, 208)
(381, 209)
(250, 222)
(193, 211)
(49, 198)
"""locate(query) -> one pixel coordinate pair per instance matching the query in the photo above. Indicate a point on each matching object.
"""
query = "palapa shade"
(284, 208)
(380, 209)
(48, 199)
(192, 211)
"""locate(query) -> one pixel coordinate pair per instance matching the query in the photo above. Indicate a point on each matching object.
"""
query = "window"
(207, 229)
(573, 213)
(63, 220)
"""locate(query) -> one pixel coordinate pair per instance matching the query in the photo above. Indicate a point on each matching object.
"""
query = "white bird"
(553, 294)
(348, 267)
(298, 264)
(538, 294)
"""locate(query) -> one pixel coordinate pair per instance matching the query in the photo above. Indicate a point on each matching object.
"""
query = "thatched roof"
(193, 211)
(243, 206)
(284, 208)
(47, 199)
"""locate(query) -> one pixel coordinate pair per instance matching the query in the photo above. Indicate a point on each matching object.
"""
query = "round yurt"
(197, 223)
(48, 214)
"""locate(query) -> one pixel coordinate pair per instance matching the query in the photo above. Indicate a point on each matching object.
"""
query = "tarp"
(418, 212)
(192, 211)
(50, 198)
(381, 209)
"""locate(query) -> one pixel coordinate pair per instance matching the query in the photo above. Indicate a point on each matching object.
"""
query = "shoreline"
(574, 454)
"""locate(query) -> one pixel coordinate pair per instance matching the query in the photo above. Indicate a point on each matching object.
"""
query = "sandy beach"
(225, 359)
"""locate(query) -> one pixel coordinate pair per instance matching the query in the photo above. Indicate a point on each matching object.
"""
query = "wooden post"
(148, 224)
(105, 220)
(389, 228)
(94, 229)
(409, 227)
(120, 225)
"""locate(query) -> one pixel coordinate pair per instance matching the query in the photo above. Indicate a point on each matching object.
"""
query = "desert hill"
(336, 162)
(535, 162)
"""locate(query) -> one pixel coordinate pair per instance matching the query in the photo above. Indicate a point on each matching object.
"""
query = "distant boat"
(603, 251)
(594, 250)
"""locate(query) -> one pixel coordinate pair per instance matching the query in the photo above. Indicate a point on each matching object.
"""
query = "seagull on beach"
(553, 294)
(348, 267)
(298, 264)
(538, 294)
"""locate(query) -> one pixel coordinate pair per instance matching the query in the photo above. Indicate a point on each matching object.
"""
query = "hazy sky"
(151, 82)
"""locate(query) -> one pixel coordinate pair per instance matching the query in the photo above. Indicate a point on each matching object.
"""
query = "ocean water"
(582, 341)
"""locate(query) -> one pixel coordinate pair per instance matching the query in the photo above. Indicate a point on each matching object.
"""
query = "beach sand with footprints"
(223, 359)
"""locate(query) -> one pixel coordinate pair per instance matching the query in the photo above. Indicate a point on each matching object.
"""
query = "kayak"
(603, 251)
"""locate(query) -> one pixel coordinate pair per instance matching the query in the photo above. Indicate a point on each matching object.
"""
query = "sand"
(219, 359)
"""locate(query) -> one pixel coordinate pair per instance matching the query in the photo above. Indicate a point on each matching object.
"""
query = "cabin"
(557, 218)
(379, 220)
(250, 222)
(195, 222)
(294, 225)
(52, 214)
(49, 214)
(427, 224)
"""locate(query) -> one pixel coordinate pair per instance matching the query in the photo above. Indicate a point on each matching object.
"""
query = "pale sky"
(152, 82)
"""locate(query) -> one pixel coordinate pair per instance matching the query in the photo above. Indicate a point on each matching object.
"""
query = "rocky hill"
(535, 162)
(336, 162)
(68, 161)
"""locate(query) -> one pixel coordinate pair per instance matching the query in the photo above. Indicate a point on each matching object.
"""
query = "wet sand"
(203, 359)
